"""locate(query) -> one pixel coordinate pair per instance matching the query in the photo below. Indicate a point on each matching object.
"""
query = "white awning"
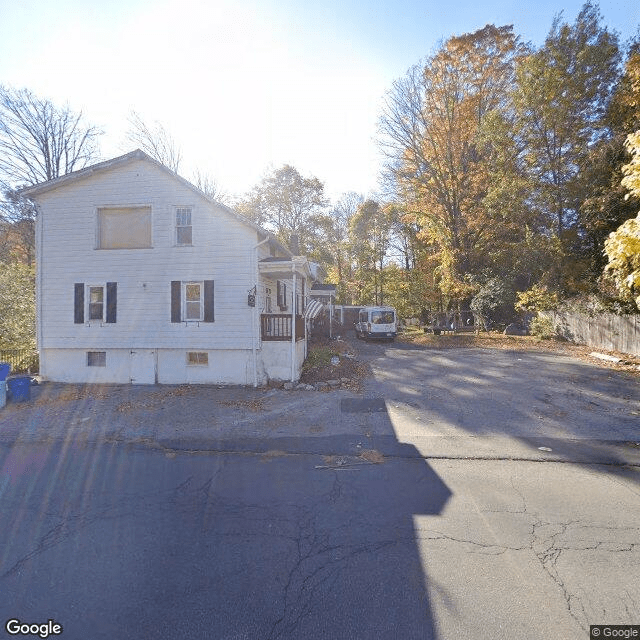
(313, 309)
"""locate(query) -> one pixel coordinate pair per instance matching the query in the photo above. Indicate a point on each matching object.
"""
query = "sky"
(245, 86)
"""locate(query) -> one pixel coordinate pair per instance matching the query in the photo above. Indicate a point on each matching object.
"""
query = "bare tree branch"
(40, 141)
(155, 141)
(210, 187)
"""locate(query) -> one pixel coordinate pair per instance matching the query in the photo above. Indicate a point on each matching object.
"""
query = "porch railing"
(277, 326)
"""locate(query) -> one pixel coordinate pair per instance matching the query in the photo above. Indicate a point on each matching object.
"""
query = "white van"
(377, 322)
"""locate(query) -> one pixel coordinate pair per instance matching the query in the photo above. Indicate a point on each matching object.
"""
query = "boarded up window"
(124, 228)
(197, 358)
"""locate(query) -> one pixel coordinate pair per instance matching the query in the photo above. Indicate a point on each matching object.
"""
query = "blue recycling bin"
(19, 388)
(5, 369)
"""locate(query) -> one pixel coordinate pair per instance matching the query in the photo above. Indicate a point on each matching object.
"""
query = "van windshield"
(382, 317)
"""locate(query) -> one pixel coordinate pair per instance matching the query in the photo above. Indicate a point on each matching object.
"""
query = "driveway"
(458, 494)
(447, 402)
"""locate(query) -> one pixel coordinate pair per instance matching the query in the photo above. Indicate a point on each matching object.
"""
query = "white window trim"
(177, 226)
(87, 301)
(183, 297)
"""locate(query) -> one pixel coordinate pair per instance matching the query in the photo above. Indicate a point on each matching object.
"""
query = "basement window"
(197, 358)
(96, 358)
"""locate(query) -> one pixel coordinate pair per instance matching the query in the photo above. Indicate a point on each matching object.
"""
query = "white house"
(142, 278)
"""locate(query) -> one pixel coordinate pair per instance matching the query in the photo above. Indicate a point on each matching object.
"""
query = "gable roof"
(107, 165)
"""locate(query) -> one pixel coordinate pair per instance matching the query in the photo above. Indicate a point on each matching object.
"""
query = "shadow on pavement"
(314, 541)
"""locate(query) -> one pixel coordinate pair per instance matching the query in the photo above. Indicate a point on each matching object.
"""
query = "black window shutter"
(78, 303)
(112, 301)
(208, 301)
(176, 290)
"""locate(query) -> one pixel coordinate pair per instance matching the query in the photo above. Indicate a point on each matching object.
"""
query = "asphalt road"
(420, 508)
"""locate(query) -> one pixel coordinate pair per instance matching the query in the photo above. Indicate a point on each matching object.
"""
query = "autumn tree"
(623, 245)
(561, 99)
(286, 203)
(17, 301)
(430, 128)
(369, 231)
(607, 204)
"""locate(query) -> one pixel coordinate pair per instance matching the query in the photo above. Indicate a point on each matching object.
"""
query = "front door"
(142, 366)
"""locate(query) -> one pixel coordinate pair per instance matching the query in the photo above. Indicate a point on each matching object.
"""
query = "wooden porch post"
(293, 325)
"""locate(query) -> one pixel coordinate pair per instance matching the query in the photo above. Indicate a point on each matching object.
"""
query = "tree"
(494, 302)
(40, 141)
(210, 187)
(332, 234)
(155, 141)
(17, 228)
(561, 99)
(369, 230)
(17, 301)
(623, 245)
(430, 127)
(285, 203)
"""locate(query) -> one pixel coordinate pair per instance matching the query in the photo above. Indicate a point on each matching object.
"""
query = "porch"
(277, 327)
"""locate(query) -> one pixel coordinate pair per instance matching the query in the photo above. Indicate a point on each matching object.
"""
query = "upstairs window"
(184, 230)
(124, 227)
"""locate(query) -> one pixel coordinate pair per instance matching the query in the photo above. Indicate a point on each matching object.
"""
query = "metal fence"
(606, 331)
(21, 360)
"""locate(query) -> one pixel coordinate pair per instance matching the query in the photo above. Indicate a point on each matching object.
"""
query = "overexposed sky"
(244, 86)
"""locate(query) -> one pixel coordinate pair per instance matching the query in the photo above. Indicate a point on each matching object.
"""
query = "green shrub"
(542, 328)
(318, 357)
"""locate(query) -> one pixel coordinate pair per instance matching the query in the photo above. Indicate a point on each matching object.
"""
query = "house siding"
(221, 252)
(141, 334)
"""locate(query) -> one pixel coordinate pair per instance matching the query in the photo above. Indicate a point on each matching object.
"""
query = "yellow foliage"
(632, 170)
(623, 251)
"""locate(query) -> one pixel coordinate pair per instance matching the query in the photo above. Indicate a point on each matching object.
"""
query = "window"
(281, 294)
(124, 227)
(95, 302)
(267, 301)
(382, 317)
(197, 358)
(96, 358)
(192, 301)
(184, 230)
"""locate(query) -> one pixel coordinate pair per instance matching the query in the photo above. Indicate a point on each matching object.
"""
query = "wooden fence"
(608, 332)
(21, 360)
